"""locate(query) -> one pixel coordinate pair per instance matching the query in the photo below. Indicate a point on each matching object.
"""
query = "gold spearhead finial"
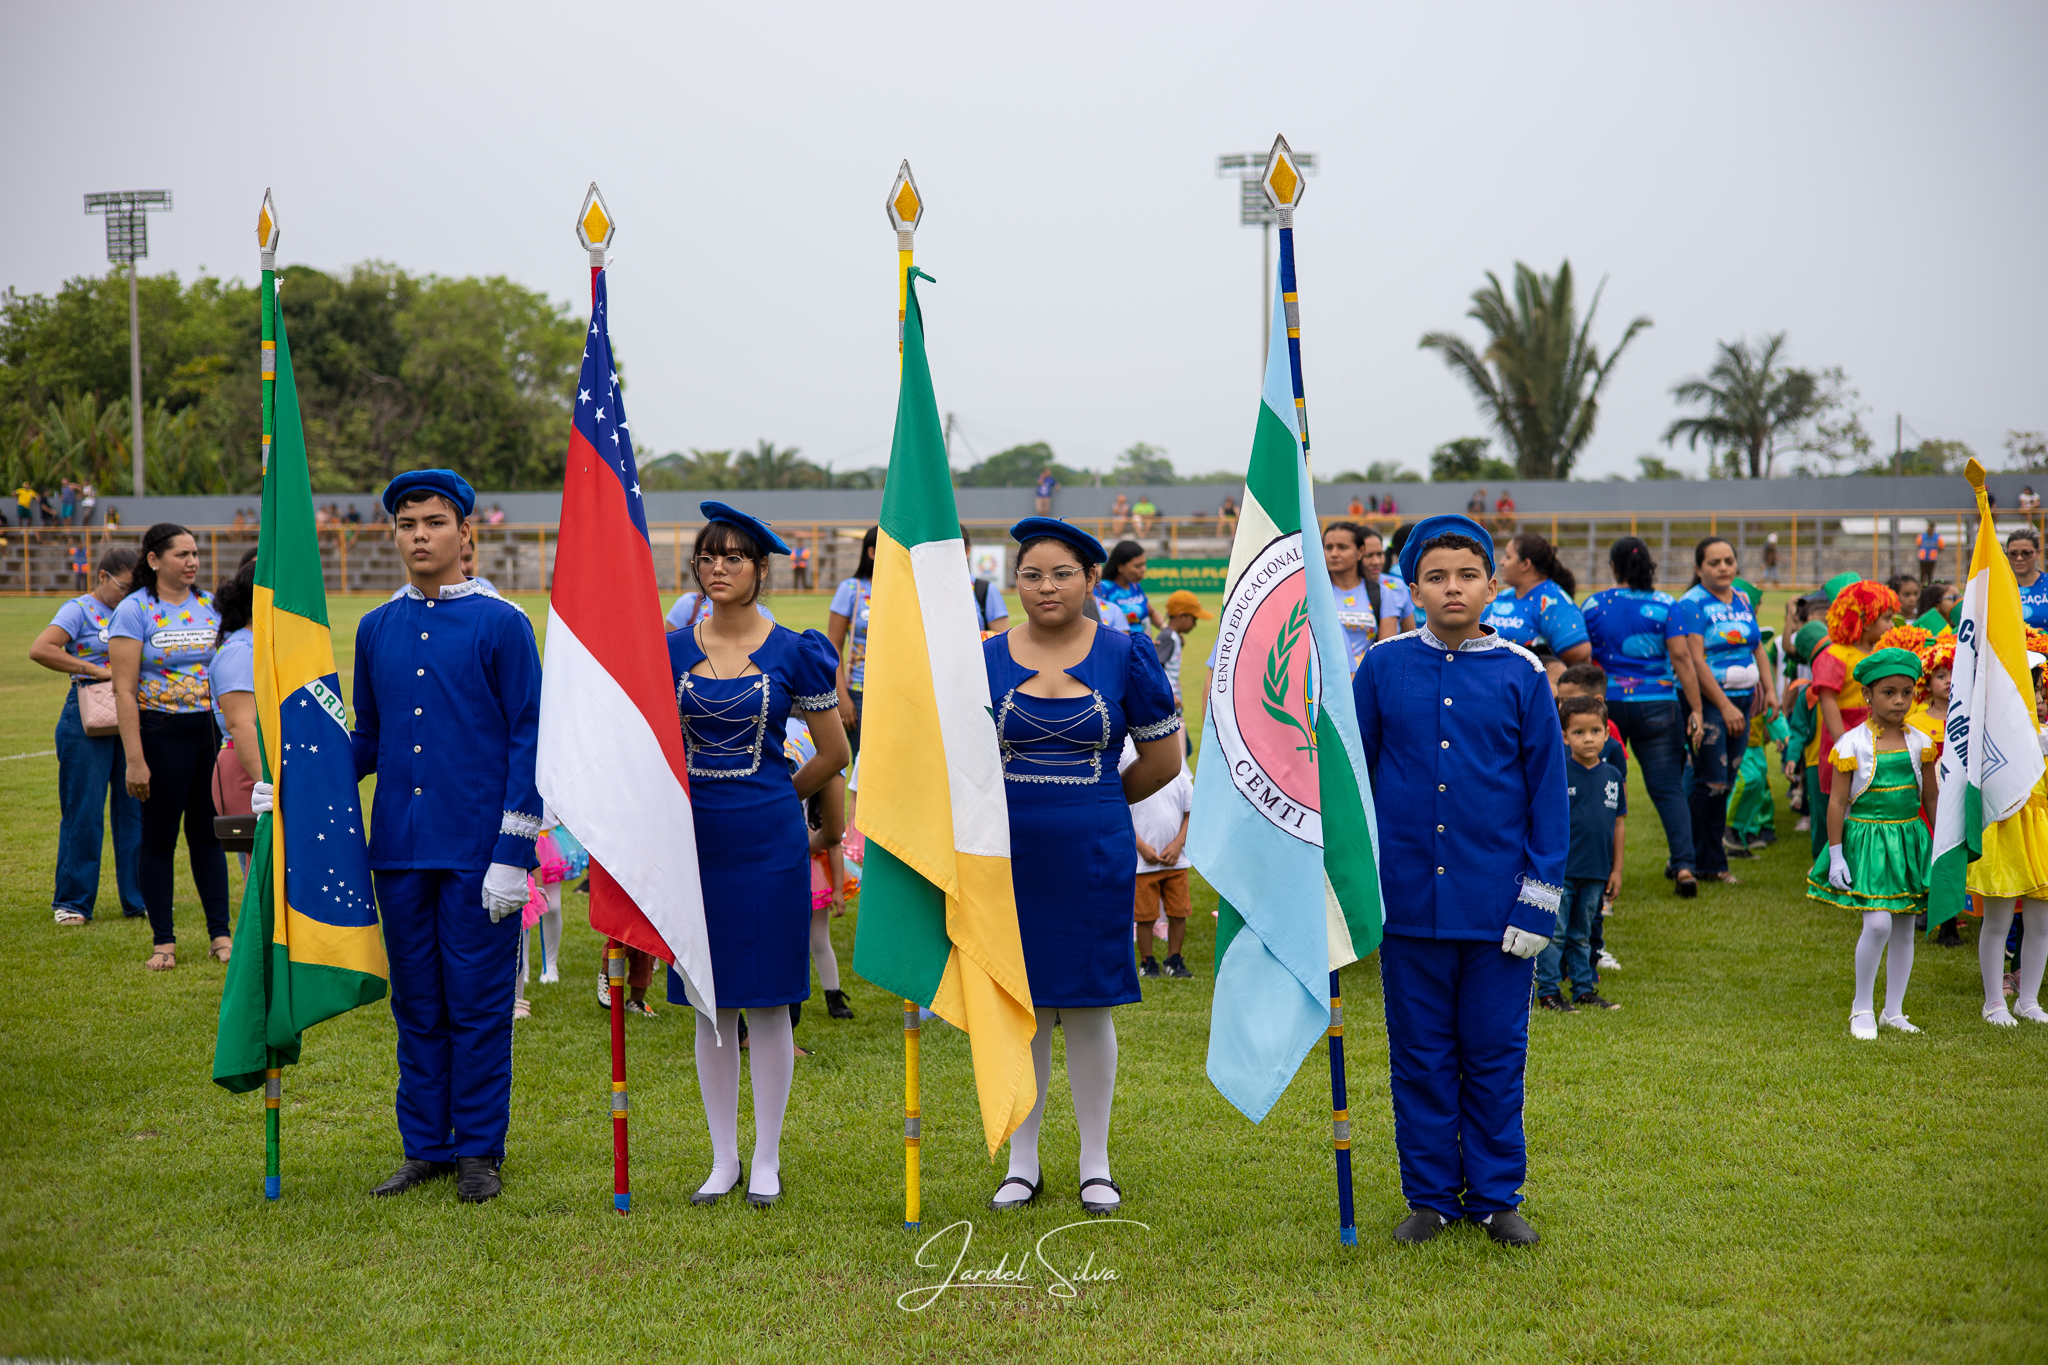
(905, 204)
(1283, 179)
(594, 225)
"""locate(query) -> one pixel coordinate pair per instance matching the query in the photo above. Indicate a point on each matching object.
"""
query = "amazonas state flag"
(307, 946)
(1282, 824)
(938, 916)
(1992, 757)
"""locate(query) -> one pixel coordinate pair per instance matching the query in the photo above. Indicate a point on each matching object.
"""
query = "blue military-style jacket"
(447, 698)
(1467, 763)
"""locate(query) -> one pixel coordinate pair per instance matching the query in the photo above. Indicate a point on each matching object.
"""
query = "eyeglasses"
(706, 563)
(1031, 578)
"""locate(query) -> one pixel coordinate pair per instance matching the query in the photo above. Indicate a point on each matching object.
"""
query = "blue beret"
(769, 542)
(1429, 528)
(1087, 546)
(445, 482)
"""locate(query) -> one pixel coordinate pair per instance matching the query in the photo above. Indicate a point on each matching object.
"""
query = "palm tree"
(1750, 400)
(1542, 392)
(767, 466)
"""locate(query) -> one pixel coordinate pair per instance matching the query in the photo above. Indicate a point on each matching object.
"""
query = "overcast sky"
(1866, 176)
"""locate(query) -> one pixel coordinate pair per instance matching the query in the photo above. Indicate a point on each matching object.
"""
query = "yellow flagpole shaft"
(912, 1113)
(912, 1119)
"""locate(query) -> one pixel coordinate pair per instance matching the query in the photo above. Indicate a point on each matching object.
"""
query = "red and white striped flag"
(611, 759)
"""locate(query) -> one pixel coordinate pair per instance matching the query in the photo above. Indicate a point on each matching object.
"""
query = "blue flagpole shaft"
(1293, 306)
(1340, 1121)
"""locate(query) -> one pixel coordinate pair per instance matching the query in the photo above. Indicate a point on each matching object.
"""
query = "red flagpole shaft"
(615, 975)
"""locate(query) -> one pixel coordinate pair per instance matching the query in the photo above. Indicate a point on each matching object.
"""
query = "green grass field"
(1719, 1172)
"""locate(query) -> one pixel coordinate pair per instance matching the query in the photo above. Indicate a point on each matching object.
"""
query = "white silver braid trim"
(1542, 895)
(520, 825)
(1157, 730)
(820, 701)
(1492, 639)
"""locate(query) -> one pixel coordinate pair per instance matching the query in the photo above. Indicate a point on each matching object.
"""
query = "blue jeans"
(1655, 734)
(1721, 748)
(1570, 954)
(87, 766)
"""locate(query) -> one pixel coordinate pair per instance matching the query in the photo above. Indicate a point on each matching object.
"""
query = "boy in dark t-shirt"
(1590, 680)
(1592, 869)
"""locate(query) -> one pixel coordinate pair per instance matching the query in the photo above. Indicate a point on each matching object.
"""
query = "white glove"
(1522, 943)
(260, 800)
(504, 890)
(1838, 869)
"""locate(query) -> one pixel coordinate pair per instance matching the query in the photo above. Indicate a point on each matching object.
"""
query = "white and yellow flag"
(1992, 759)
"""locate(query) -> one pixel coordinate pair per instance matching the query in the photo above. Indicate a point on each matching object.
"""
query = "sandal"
(1005, 1205)
(221, 948)
(162, 960)
(69, 918)
(1089, 1206)
(1686, 885)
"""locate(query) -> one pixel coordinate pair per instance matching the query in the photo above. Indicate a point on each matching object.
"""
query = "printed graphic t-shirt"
(1628, 629)
(177, 648)
(86, 620)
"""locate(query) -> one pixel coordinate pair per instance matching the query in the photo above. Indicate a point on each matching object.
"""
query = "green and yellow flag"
(307, 946)
(938, 917)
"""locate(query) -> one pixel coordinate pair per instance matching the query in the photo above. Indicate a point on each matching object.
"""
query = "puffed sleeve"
(1149, 712)
(813, 673)
(1843, 755)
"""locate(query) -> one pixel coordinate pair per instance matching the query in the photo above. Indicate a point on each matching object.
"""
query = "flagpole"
(1283, 185)
(615, 978)
(905, 207)
(266, 240)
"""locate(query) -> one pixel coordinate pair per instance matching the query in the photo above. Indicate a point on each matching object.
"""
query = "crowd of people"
(158, 733)
(70, 503)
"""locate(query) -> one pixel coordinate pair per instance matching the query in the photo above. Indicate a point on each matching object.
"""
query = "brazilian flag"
(307, 946)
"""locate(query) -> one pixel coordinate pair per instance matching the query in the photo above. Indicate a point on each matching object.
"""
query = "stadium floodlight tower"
(1253, 210)
(127, 214)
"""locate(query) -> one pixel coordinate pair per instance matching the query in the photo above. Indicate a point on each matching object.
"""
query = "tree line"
(395, 370)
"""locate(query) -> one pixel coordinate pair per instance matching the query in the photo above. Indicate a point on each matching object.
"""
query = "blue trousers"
(454, 975)
(1571, 950)
(1458, 1042)
(1655, 734)
(88, 767)
(1720, 758)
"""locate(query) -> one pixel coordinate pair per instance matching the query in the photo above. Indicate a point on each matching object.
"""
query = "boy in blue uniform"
(1592, 868)
(1467, 763)
(447, 697)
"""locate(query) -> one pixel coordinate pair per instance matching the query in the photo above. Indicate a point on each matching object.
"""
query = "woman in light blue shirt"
(1728, 659)
(90, 768)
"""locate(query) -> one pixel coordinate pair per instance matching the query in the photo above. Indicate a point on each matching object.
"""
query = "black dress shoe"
(476, 1179)
(705, 1199)
(1419, 1226)
(412, 1172)
(1508, 1228)
(765, 1201)
(836, 1006)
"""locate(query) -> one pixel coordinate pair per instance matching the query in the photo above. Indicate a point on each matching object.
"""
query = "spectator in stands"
(1226, 517)
(1928, 546)
(1119, 516)
(1356, 509)
(1504, 514)
(1042, 498)
(1771, 557)
(1475, 506)
(1143, 515)
(88, 498)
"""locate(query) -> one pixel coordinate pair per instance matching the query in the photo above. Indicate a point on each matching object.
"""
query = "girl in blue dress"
(1123, 587)
(738, 676)
(1066, 692)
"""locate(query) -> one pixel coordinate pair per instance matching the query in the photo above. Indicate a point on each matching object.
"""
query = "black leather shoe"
(476, 1179)
(412, 1172)
(836, 1006)
(1509, 1228)
(706, 1200)
(1419, 1226)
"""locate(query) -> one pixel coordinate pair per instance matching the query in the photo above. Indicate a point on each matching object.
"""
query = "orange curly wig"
(1912, 639)
(1855, 607)
(1938, 653)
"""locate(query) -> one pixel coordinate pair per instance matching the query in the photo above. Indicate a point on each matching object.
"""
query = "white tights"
(2033, 953)
(1880, 927)
(821, 948)
(1091, 1075)
(550, 939)
(773, 1050)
